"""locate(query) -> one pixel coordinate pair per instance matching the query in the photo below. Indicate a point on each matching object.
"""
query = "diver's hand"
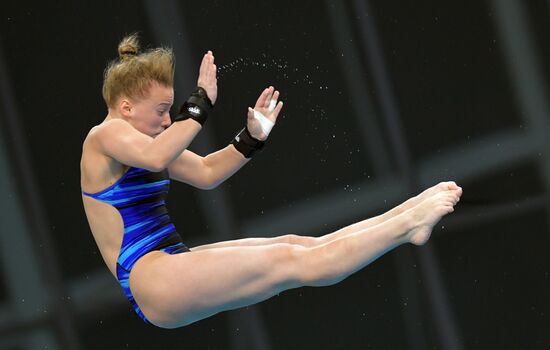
(264, 115)
(207, 77)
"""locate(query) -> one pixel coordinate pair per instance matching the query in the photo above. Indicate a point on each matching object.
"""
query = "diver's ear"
(125, 107)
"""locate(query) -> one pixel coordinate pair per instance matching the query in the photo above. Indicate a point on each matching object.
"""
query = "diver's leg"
(176, 290)
(408, 204)
(310, 241)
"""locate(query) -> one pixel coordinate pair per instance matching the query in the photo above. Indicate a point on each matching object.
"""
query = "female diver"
(126, 166)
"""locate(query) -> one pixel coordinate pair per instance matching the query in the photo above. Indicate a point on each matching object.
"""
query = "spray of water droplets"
(309, 106)
(283, 71)
(243, 63)
(280, 67)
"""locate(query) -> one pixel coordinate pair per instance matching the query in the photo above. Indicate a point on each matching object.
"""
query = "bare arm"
(210, 171)
(206, 172)
(119, 140)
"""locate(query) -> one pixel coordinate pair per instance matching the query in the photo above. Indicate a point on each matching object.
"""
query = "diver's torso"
(123, 202)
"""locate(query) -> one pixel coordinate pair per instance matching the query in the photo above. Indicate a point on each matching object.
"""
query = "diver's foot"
(440, 187)
(429, 212)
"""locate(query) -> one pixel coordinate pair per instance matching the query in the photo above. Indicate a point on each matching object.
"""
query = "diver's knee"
(285, 265)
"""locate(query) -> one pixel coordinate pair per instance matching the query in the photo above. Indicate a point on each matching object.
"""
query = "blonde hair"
(132, 74)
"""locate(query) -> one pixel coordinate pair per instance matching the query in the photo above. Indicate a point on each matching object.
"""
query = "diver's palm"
(207, 77)
(269, 109)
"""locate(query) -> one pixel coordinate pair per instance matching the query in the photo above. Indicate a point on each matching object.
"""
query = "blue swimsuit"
(139, 196)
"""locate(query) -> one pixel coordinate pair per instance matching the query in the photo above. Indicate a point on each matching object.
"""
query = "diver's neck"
(112, 115)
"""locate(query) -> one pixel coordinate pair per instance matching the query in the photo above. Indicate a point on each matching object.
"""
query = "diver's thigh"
(193, 285)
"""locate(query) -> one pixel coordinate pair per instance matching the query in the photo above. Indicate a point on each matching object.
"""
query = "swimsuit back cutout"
(139, 196)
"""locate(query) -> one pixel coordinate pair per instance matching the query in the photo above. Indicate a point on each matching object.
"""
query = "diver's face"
(151, 115)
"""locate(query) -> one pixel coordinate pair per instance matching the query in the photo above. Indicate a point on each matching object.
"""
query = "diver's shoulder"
(111, 126)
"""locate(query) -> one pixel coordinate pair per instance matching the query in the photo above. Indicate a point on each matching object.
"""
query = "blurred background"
(382, 100)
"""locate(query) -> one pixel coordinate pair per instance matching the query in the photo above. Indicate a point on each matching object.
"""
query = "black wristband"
(246, 144)
(197, 107)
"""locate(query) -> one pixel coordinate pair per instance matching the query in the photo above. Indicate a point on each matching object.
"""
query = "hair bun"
(129, 46)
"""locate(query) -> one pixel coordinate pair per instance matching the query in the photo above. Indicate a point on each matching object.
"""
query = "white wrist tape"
(265, 123)
(272, 105)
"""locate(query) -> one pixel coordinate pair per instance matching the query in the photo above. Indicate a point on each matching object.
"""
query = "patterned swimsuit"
(139, 196)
